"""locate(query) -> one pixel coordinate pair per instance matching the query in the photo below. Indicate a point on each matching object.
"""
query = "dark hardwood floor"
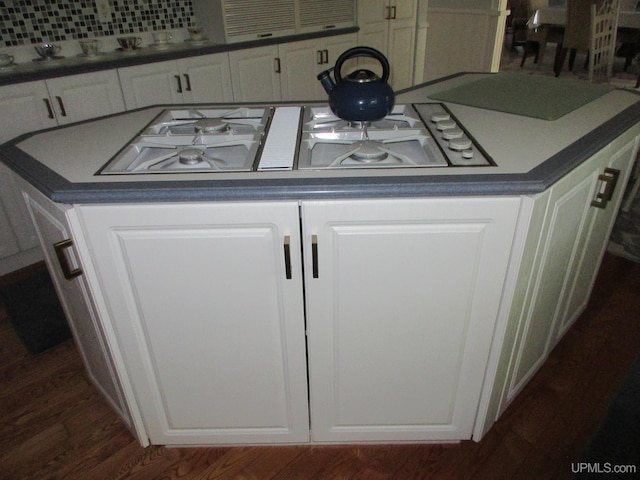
(56, 426)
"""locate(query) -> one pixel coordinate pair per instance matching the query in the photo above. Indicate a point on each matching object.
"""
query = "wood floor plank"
(55, 425)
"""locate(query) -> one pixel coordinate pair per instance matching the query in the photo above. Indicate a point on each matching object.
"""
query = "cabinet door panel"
(24, 109)
(76, 300)
(298, 61)
(213, 330)
(401, 314)
(570, 207)
(253, 73)
(80, 97)
(595, 238)
(151, 84)
(207, 79)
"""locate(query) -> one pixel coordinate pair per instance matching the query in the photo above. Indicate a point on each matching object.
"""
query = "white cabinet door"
(401, 49)
(8, 242)
(151, 84)
(389, 26)
(613, 172)
(563, 254)
(255, 74)
(89, 95)
(25, 108)
(207, 301)
(63, 264)
(402, 299)
(206, 79)
(300, 62)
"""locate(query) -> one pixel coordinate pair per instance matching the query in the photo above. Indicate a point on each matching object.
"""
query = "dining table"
(544, 19)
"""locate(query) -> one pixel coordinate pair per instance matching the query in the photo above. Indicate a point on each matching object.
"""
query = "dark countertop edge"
(535, 181)
(149, 55)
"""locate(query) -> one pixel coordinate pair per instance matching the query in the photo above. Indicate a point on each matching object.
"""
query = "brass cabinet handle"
(388, 17)
(393, 13)
(277, 65)
(314, 255)
(67, 271)
(62, 110)
(187, 81)
(610, 180)
(326, 55)
(287, 256)
(320, 57)
(177, 77)
(49, 109)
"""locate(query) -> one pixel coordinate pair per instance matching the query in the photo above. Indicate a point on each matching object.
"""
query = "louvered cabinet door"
(256, 19)
(315, 15)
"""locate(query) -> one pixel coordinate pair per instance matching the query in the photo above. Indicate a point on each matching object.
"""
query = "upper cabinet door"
(402, 301)
(89, 95)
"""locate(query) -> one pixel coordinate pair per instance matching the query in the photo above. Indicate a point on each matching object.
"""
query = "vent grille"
(258, 18)
(321, 13)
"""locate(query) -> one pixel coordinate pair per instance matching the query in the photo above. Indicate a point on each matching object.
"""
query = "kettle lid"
(362, 76)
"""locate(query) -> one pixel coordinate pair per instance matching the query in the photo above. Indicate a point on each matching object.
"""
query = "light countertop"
(530, 154)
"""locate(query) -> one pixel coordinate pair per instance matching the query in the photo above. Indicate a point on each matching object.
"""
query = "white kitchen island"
(295, 307)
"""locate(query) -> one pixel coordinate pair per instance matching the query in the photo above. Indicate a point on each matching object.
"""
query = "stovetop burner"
(211, 125)
(205, 139)
(423, 135)
(195, 140)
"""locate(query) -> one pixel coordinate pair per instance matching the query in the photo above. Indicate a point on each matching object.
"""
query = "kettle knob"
(362, 52)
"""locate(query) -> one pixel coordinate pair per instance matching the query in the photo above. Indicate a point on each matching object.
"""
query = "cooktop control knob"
(440, 116)
(460, 144)
(451, 133)
(444, 124)
(467, 154)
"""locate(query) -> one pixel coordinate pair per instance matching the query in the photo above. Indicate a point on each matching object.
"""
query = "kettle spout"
(326, 80)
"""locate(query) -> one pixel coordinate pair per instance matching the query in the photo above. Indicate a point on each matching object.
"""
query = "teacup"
(129, 43)
(162, 37)
(195, 32)
(5, 59)
(89, 47)
(47, 50)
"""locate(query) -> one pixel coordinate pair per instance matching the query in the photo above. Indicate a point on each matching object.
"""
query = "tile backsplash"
(24, 22)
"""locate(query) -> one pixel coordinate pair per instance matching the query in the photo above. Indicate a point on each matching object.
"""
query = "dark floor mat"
(35, 312)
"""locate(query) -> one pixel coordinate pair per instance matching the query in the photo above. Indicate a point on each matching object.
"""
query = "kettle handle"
(362, 52)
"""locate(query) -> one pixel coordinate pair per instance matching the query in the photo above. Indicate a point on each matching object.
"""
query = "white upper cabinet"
(314, 15)
(229, 21)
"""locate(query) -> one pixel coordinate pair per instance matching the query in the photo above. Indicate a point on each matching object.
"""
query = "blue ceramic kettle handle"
(362, 52)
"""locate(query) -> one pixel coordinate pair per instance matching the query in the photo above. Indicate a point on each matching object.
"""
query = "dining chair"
(604, 28)
(590, 27)
(537, 38)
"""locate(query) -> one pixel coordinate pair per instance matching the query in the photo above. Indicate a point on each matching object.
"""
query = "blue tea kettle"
(362, 96)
